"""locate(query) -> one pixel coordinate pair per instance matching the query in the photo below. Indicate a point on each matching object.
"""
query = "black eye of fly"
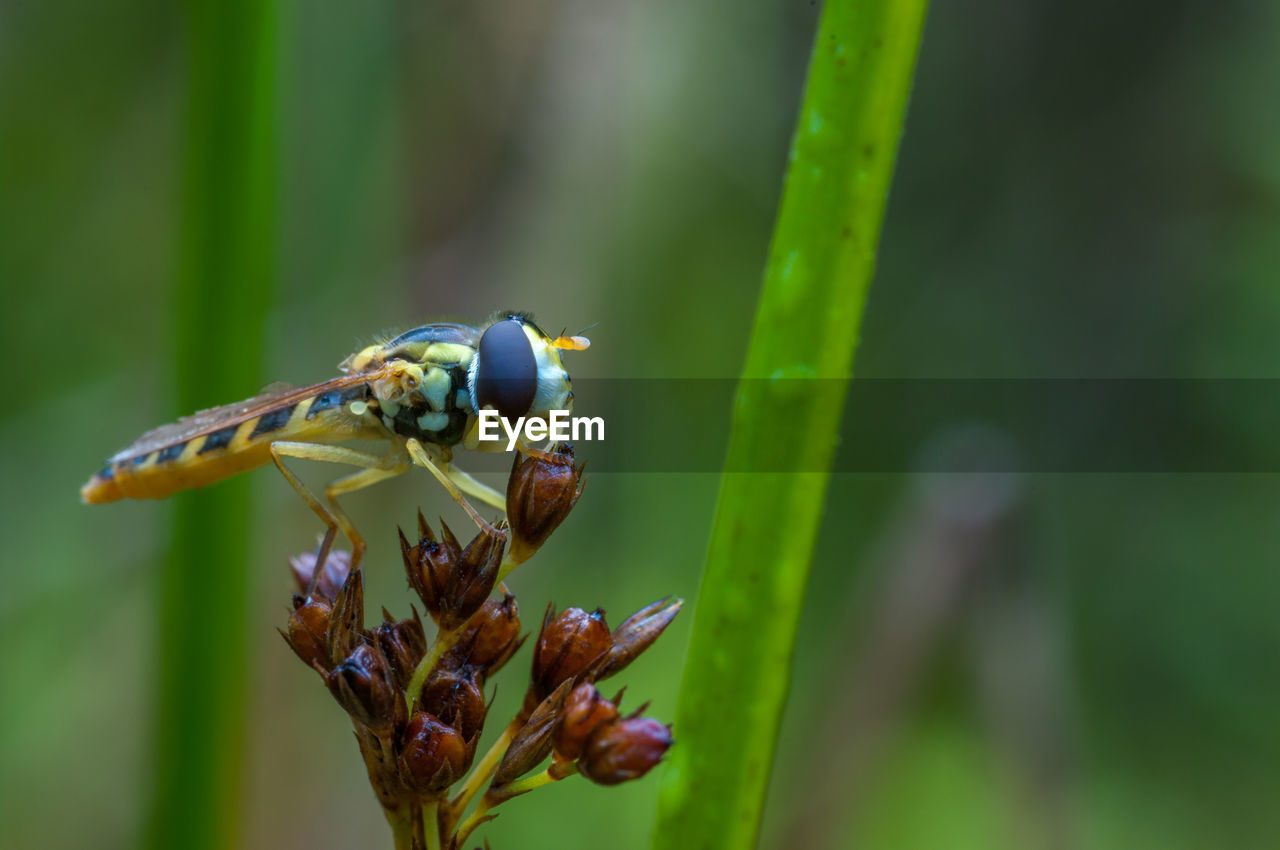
(507, 374)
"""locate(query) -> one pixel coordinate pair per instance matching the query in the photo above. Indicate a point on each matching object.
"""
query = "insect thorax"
(438, 411)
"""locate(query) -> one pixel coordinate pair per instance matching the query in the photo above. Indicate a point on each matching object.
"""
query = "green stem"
(431, 824)
(222, 295)
(443, 643)
(800, 360)
(554, 773)
(479, 816)
(402, 827)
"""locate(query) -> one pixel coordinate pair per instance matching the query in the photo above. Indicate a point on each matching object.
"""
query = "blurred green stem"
(222, 296)
(799, 361)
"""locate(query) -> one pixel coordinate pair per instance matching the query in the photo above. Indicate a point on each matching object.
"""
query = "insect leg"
(476, 489)
(419, 455)
(351, 483)
(333, 521)
(524, 448)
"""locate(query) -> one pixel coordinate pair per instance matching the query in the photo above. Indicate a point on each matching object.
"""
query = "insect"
(421, 392)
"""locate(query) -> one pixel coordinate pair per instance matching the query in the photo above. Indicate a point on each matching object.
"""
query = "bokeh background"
(1016, 661)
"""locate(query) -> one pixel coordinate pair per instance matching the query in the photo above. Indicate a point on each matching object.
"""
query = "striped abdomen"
(156, 467)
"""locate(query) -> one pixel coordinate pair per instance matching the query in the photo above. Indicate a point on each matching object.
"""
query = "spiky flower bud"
(432, 754)
(362, 685)
(403, 643)
(540, 493)
(429, 563)
(451, 581)
(636, 634)
(308, 627)
(533, 742)
(567, 646)
(623, 750)
(584, 712)
(346, 623)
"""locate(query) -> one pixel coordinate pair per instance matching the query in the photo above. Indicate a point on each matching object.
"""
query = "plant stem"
(221, 298)
(402, 828)
(479, 816)
(800, 359)
(431, 824)
(483, 770)
(444, 642)
(524, 786)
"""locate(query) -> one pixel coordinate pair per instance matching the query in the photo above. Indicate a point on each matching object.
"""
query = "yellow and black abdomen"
(156, 468)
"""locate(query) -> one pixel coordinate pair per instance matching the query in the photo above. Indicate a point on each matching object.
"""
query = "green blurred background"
(1084, 189)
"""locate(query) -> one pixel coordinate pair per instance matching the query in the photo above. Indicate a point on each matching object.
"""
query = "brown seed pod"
(308, 626)
(432, 755)
(585, 711)
(567, 646)
(455, 697)
(624, 749)
(540, 494)
(490, 640)
(362, 685)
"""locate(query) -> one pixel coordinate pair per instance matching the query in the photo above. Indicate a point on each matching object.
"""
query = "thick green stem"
(800, 360)
(430, 815)
(223, 293)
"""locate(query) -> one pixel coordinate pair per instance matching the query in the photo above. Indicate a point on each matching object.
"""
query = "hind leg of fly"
(375, 469)
(349, 484)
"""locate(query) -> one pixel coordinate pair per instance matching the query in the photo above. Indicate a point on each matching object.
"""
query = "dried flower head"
(418, 705)
(453, 582)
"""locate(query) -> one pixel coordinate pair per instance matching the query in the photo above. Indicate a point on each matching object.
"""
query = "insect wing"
(438, 332)
(216, 418)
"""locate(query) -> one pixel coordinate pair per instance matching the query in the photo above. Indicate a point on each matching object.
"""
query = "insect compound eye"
(506, 374)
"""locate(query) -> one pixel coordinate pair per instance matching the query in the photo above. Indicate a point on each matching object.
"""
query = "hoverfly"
(421, 392)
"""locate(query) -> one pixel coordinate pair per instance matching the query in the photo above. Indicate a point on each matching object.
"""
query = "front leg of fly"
(440, 468)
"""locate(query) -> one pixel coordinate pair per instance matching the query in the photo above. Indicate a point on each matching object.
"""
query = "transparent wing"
(438, 332)
(274, 397)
